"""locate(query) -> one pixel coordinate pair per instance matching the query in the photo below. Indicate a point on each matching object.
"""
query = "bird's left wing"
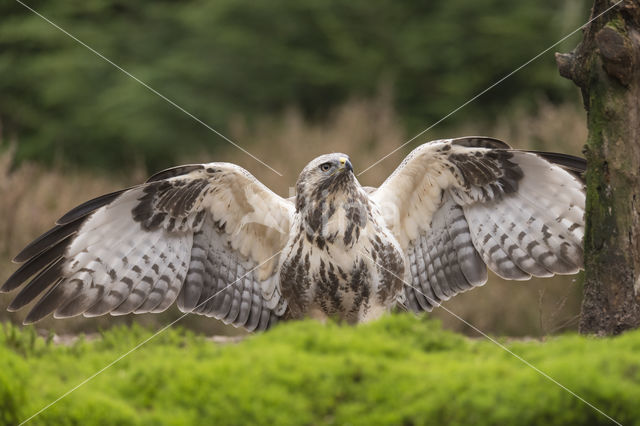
(206, 235)
(457, 206)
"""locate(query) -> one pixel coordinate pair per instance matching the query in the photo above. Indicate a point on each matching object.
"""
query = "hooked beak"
(345, 164)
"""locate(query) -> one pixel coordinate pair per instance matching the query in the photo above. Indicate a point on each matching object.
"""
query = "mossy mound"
(399, 370)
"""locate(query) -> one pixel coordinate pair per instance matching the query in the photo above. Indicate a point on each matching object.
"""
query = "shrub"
(399, 370)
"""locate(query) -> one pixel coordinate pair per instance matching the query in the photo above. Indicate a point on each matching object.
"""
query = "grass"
(33, 198)
(399, 370)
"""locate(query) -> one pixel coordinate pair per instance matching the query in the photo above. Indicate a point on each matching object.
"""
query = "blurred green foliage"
(226, 58)
(399, 370)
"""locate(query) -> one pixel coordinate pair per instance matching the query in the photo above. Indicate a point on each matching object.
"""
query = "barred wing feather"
(207, 236)
(457, 206)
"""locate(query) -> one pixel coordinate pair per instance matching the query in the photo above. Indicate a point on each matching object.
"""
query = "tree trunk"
(606, 67)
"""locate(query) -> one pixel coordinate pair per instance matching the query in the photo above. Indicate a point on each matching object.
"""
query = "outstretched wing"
(457, 206)
(208, 235)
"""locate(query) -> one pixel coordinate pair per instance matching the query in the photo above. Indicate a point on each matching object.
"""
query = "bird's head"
(329, 174)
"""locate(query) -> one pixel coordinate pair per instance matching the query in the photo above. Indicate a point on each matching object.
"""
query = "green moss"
(608, 189)
(400, 370)
(617, 23)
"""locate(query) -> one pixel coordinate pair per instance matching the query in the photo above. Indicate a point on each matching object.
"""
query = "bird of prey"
(215, 240)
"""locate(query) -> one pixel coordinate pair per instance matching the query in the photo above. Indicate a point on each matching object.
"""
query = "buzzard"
(215, 240)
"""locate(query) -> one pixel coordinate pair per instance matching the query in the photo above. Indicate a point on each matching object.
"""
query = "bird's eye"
(325, 167)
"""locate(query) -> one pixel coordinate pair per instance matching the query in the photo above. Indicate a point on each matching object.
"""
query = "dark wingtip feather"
(65, 226)
(175, 171)
(47, 304)
(575, 165)
(37, 285)
(571, 162)
(46, 240)
(34, 265)
(89, 207)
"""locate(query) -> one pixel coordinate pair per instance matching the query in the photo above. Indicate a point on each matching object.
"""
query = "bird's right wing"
(206, 235)
(459, 205)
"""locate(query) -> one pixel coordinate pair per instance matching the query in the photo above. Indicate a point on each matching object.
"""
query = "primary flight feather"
(216, 241)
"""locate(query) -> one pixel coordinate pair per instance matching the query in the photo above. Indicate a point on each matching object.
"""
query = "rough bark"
(606, 67)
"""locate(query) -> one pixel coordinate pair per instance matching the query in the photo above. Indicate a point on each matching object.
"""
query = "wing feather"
(36, 286)
(88, 207)
(35, 264)
(47, 303)
(458, 206)
(47, 240)
(204, 235)
(82, 301)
